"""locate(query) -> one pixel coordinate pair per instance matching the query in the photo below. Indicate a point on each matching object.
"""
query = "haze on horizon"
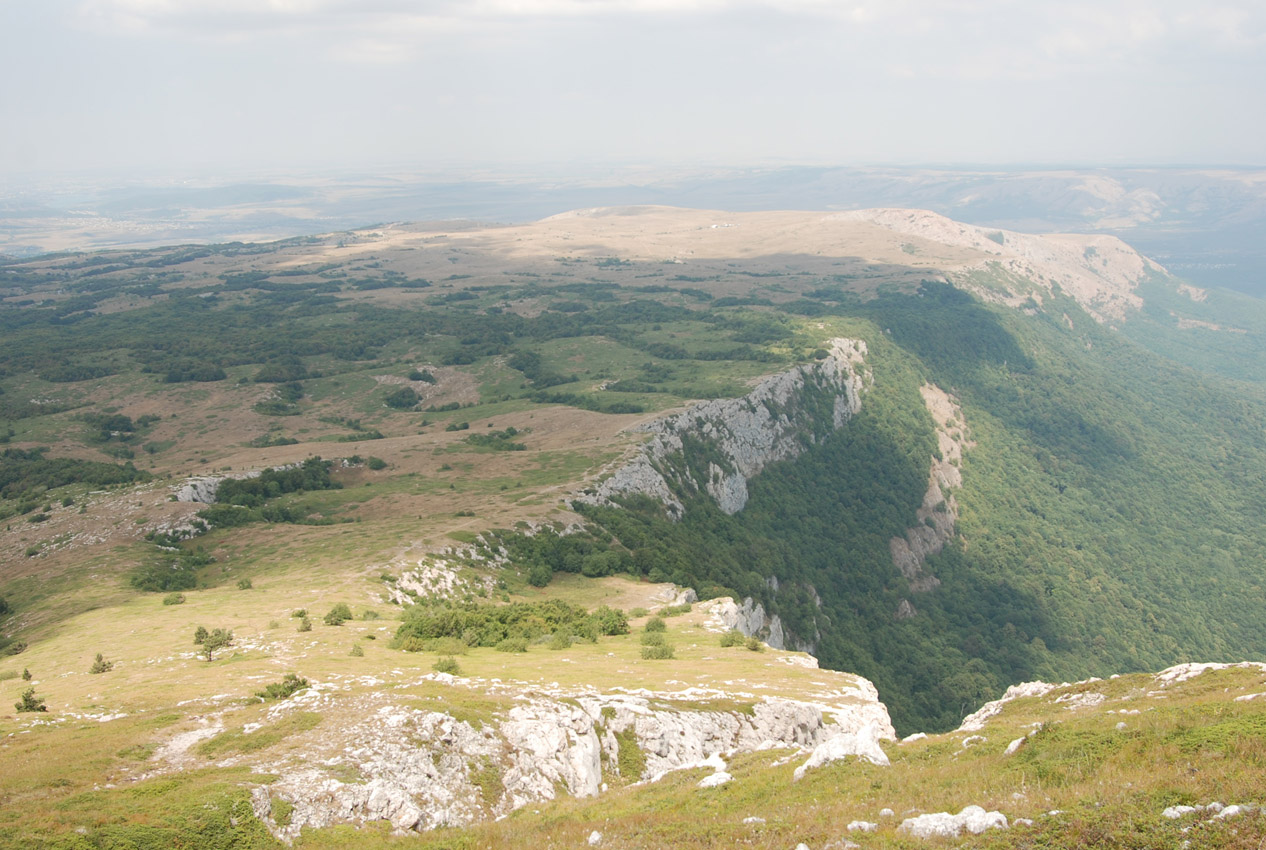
(204, 87)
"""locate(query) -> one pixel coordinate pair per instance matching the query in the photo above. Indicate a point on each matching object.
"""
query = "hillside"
(944, 458)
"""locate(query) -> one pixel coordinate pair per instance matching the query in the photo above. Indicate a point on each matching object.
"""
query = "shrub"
(4, 607)
(755, 645)
(369, 614)
(299, 612)
(338, 615)
(512, 645)
(448, 664)
(30, 702)
(357, 652)
(200, 635)
(733, 638)
(655, 624)
(412, 644)
(654, 639)
(635, 613)
(610, 621)
(560, 640)
(100, 665)
(26, 675)
(244, 584)
(657, 652)
(674, 610)
(174, 599)
(305, 624)
(402, 399)
(376, 463)
(289, 684)
(447, 646)
(540, 575)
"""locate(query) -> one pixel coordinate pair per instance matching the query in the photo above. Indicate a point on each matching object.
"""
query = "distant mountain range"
(1203, 224)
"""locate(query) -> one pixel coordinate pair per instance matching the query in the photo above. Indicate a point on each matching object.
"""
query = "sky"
(206, 87)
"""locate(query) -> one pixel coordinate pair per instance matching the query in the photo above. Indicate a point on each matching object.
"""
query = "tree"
(214, 640)
(30, 702)
(100, 665)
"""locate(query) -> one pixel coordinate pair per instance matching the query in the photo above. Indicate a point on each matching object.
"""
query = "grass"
(240, 741)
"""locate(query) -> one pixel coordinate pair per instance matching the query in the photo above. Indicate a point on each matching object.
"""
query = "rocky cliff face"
(938, 513)
(743, 435)
(421, 769)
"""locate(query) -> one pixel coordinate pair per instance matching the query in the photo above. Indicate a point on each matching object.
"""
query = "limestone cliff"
(421, 769)
(938, 513)
(740, 437)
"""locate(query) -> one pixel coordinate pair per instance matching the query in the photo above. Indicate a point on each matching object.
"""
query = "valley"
(866, 470)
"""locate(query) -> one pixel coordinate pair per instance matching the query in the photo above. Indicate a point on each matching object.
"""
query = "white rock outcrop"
(976, 721)
(972, 819)
(938, 514)
(746, 434)
(422, 769)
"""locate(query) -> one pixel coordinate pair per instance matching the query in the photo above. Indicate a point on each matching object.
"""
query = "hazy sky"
(208, 86)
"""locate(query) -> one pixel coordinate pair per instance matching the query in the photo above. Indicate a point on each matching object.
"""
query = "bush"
(376, 463)
(447, 664)
(447, 646)
(655, 624)
(512, 645)
(26, 674)
(540, 575)
(30, 702)
(289, 684)
(305, 624)
(412, 644)
(357, 652)
(100, 665)
(174, 599)
(733, 638)
(403, 398)
(560, 640)
(654, 639)
(635, 613)
(4, 607)
(755, 645)
(610, 621)
(674, 610)
(299, 612)
(338, 615)
(244, 584)
(657, 652)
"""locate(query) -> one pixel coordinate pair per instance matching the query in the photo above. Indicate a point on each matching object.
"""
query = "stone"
(862, 826)
(971, 819)
(715, 780)
(595, 838)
